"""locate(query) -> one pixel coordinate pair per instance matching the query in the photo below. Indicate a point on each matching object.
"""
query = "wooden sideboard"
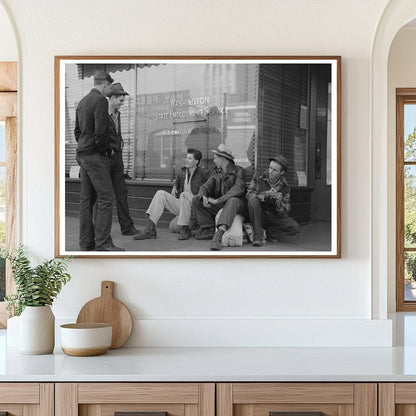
(208, 399)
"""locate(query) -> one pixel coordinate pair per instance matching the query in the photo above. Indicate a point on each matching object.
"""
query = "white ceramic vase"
(37, 330)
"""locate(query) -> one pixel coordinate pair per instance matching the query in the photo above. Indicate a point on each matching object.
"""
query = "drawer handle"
(139, 414)
(295, 413)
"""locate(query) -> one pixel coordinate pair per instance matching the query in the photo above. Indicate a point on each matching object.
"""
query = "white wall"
(212, 301)
(401, 74)
(8, 46)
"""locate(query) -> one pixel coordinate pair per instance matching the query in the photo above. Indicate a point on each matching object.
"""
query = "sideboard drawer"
(21, 399)
(146, 399)
(268, 399)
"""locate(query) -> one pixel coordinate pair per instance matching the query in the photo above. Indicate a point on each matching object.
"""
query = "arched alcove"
(396, 15)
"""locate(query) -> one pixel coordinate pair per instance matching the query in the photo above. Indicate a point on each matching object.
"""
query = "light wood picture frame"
(255, 109)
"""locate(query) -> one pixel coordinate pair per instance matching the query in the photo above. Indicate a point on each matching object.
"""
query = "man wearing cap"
(269, 202)
(93, 156)
(224, 189)
(116, 99)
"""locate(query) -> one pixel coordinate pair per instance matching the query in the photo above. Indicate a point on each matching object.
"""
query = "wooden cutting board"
(108, 310)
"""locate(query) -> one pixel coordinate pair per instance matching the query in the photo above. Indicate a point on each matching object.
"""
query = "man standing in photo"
(115, 101)
(93, 156)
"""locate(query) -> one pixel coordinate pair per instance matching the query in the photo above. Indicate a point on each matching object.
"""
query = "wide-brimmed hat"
(281, 160)
(102, 76)
(117, 89)
(224, 152)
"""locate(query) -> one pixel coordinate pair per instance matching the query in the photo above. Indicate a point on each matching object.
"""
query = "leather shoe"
(132, 231)
(145, 234)
(111, 247)
(204, 234)
(185, 233)
(216, 241)
(257, 242)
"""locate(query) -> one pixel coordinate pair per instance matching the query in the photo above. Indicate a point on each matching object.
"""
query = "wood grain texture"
(386, 399)
(207, 399)
(138, 393)
(47, 399)
(91, 410)
(365, 399)
(262, 410)
(403, 96)
(8, 76)
(405, 393)
(57, 159)
(224, 399)
(337, 174)
(19, 393)
(66, 399)
(405, 410)
(11, 207)
(189, 410)
(109, 310)
(346, 410)
(247, 410)
(84, 352)
(293, 393)
(400, 305)
(11, 196)
(339, 154)
(110, 409)
(14, 409)
(8, 105)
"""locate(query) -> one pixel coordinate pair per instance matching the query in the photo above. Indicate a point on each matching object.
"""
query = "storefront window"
(173, 107)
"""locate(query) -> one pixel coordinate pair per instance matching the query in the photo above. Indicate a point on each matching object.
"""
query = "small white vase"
(37, 330)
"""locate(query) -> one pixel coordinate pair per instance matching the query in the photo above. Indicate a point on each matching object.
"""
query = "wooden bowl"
(84, 340)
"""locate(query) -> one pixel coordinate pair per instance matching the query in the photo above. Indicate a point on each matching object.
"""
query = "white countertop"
(215, 364)
(221, 364)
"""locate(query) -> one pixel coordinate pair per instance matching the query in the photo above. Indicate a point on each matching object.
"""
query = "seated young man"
(179, 201)
(224, 189)
(269, 202)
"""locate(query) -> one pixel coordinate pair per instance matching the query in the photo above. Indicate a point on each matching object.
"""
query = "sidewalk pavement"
(313, 237)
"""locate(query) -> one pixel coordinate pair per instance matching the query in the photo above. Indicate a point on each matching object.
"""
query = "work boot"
(205, 233)
(131, 231)
(110, 247)
(185, 233)
(216, 240)
(257, 242)
(149, 231)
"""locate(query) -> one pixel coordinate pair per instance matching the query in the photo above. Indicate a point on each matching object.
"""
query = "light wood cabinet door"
(397, 399)
(27, 399)
(144, 399)
(309, 399)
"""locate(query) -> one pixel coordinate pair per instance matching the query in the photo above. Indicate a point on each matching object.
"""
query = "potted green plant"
(36, 289)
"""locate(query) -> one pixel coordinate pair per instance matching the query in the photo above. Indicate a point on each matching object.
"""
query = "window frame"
(8, 113)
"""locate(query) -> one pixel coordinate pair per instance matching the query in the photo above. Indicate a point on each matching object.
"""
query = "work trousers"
(179, 206)
(205, 216)
(96, 188)
(271, 221)
(120, 192)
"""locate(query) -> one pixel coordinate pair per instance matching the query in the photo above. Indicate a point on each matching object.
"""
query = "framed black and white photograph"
(198, 156)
